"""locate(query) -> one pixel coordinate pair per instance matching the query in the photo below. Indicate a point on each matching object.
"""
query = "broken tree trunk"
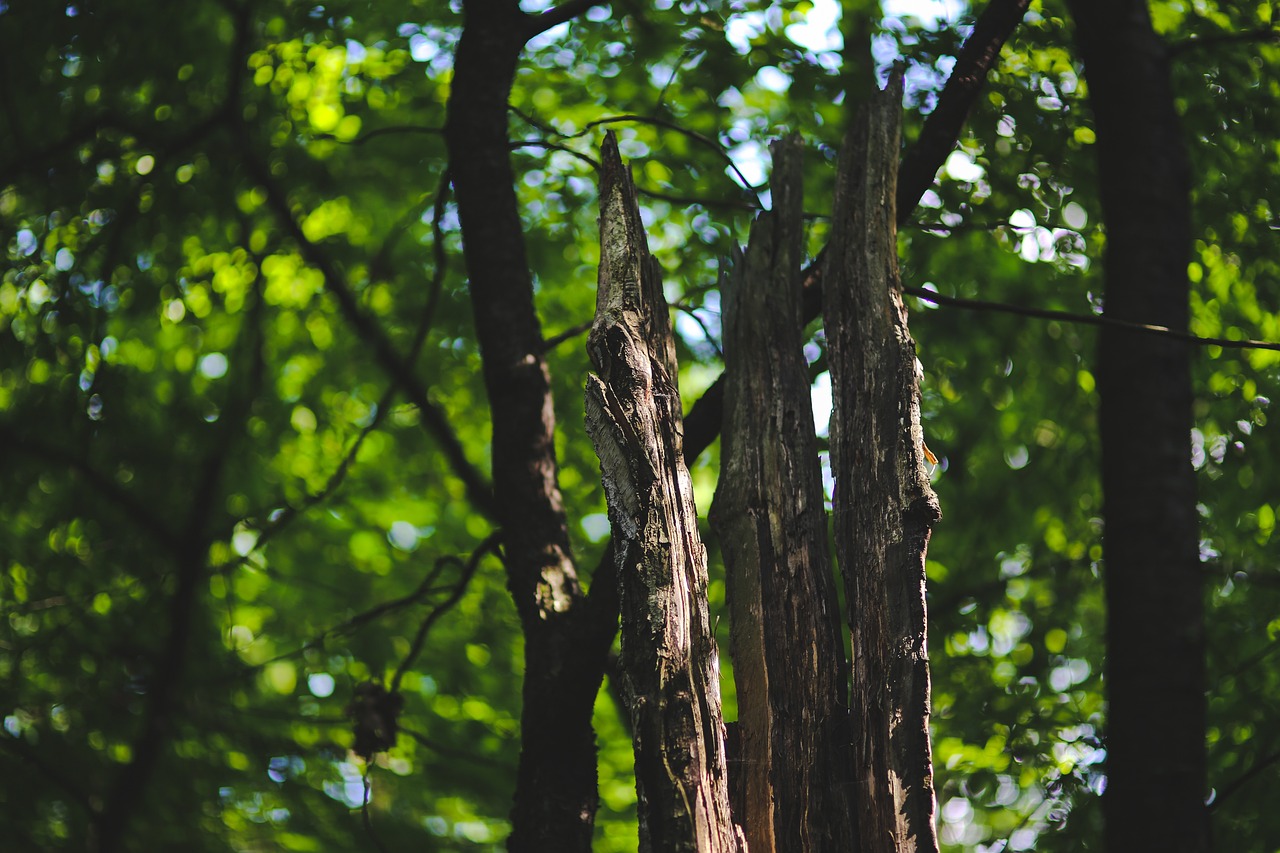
(795, 755)
(669, 660)
(884, 507)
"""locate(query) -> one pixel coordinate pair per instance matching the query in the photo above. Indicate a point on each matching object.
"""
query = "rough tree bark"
(795, 751)
(669, 658)
(884, 507)
(1156, 777)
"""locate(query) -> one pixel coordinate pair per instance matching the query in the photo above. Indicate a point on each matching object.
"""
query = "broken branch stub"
(669, 659)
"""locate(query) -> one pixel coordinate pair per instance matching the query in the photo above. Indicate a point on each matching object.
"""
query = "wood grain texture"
(669, 659)
(884, 507)
(789, 663)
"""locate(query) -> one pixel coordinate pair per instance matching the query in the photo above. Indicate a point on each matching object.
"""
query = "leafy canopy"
(202, 447)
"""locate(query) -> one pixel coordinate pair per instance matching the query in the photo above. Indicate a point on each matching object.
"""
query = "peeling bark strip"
(884, 508)
(669, 657)
(788, 656)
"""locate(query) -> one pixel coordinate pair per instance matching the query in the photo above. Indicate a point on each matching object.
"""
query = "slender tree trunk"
(565, 646)
(795, 752)
(669, 657)
(884, 508)
(1156, 778)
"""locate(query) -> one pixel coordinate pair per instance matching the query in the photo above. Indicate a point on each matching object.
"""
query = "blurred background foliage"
(196, 439)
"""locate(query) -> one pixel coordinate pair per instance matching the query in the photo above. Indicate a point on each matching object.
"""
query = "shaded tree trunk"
(669, 657)
(1156, 777)
(566, 642)
(795, 753)
(884, 507)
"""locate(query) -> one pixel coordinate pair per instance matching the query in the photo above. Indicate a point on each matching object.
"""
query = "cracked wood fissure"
(884, 508)
(669, 660)
(795, 762)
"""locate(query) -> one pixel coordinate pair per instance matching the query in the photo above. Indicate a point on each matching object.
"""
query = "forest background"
(250, 453)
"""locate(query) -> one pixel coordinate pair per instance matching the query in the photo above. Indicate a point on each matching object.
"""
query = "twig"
(567, 11)
(1261, 34)
(1243, 779)
(399, 370)
(364, 811)
(1086, 320)
(568, 334)
(459, 589)
(941, 129)
(20, 748)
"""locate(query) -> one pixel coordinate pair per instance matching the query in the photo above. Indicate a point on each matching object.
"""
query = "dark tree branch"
(117, 497)
(25, 752)
(942, 128)
(1258, 767)
(189, 554)
(398, 369)
(568, 334)
(1087, 320)
(1261, 34)
(566, 11)
(455, 595)
(632, 118)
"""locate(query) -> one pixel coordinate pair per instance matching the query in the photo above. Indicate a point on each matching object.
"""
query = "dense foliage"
(245, 439)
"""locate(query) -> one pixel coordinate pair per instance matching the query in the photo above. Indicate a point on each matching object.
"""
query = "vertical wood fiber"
(669, 659)
(789, 665)
(884, 507)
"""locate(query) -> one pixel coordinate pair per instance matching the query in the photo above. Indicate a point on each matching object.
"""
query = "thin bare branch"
(941, 129)
(398, 369)
(1261, 34)
(567, 11)
(1087, 320)
(460, 588)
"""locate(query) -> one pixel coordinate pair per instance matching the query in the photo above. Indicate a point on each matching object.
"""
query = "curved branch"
(398, 369)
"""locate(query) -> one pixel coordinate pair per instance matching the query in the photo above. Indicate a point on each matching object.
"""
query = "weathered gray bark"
(795, 750)
(669, 659)
(884, 508)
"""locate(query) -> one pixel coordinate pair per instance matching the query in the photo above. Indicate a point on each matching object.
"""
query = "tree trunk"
(884, 507)
(565, 643)
(795, 752)
(669, 658)
(1156, 778)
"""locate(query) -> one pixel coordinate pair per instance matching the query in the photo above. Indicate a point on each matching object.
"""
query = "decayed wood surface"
(788, 656)
(669, 659)
(884, 508)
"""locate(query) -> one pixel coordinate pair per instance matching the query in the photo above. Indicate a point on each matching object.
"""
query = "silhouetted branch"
(632, 118)
(942, 128)
(118, 498)
(566, 11)
(459, 589)
(1243, 779)
(400, 371)
(1261, 34)
(25, 752)
(1086, 320)
(568, 334)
